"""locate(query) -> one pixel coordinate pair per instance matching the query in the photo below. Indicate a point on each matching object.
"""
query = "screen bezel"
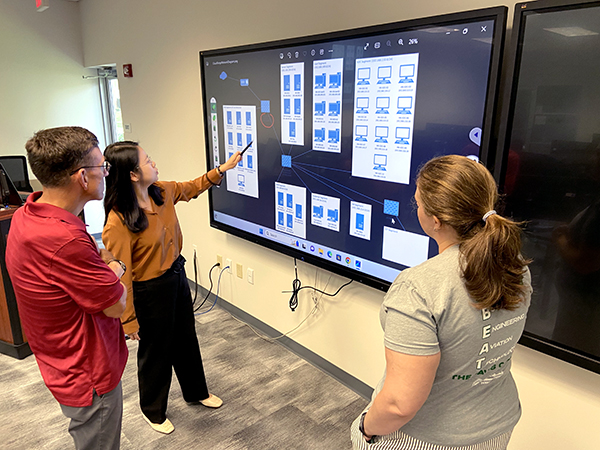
(488, 137)
(529, 339)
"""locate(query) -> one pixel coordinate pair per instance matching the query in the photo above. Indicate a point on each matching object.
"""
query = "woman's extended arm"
(407, 385)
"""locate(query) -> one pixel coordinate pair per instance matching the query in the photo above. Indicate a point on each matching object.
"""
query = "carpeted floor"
(273, 400)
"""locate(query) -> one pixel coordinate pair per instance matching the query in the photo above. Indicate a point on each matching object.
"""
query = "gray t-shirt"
(474, 398)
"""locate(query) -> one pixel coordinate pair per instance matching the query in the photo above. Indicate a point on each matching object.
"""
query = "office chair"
(16, 167)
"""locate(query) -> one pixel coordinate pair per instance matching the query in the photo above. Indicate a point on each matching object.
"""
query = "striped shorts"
(400, 441)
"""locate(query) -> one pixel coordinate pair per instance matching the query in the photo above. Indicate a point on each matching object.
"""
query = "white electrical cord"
(273, 339)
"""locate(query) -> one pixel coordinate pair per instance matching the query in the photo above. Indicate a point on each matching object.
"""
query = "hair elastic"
(488, 214)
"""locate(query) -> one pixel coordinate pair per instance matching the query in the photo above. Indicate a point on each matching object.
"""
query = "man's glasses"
(105, 166)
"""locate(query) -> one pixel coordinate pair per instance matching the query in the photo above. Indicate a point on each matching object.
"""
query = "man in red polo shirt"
(68, 292)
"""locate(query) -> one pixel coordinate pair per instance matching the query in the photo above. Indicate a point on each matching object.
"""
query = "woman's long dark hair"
(459, 192)
(120, 194)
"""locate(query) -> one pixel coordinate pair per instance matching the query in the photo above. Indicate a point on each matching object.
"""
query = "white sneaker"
(166, 427)
(212, 401)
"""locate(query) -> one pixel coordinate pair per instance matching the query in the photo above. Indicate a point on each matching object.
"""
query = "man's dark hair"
(54, 153)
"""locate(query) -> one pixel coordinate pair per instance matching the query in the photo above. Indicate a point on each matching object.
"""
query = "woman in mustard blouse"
(141, 229)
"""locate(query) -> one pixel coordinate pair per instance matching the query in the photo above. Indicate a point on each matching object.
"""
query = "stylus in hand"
(247, 147)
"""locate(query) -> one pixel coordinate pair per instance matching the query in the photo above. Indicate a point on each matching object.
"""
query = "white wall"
(162, 103)
(41, 79)
(41, 69)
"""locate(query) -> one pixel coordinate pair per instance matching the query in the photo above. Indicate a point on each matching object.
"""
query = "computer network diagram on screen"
(337, 131)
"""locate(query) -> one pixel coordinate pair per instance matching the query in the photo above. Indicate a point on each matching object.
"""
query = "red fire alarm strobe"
(41, 5)
(127, 71)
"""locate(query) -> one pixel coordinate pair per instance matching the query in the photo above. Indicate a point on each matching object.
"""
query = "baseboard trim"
(361, 388)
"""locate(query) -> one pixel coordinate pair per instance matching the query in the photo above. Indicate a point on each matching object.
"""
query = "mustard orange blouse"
(151, 253)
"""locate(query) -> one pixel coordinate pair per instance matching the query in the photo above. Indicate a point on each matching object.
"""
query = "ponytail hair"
(459, 192)
(120, 194)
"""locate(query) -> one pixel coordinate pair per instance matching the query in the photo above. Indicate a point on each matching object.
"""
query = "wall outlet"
(228, 264)
(220, 260)
(250, 276)
(239, 270)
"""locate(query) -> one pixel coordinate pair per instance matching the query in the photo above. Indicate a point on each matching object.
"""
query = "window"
(111, 105)
(110, 102)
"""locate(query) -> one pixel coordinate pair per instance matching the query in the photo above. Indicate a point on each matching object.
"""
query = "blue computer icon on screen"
(334, 108)
(402, 135)
(407, 71)
(318, 212)
(320, 108)
(380, 162)
(286, 82)
(241, 180)
(292, 129)
(230, 137)
(320, 81)
(280, 218)
(360, 221)
(381, 134)
(239, 139)
(335, 80)
(332, 215)
(286, 106)
(248, 139)
(404, 105)
(361, 132)
(319, 134)
(280, 198)
(297, 82)
(384, 73)
(363, 74)
(299, 211)
(362, 105)
(391, 207)
(229, 118)
(238, 117)
(333, 136)
(290, 221)
(290, 200)
(248, 118)
(383, 105)
(297, 106)
(250, 162)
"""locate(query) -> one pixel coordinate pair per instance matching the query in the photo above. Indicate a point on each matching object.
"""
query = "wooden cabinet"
(12, 340)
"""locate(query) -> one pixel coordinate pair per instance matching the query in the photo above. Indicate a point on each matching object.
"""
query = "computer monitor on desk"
(16, 168)
(8, 192)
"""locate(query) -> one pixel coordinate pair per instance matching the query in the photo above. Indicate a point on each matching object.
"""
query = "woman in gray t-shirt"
(452, 323)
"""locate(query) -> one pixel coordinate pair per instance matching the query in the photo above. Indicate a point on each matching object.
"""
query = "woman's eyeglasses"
(148, 161)
(105, 166)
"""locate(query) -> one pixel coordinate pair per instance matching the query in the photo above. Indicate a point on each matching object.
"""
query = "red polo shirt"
(62, 286)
